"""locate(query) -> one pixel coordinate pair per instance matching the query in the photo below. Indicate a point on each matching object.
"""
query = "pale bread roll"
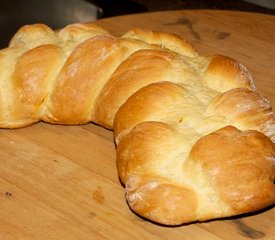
(194, 138)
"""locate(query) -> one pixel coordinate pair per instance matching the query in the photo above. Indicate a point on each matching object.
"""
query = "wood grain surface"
(60, 182)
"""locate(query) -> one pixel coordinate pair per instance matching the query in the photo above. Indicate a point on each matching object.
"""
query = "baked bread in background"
(195, 140)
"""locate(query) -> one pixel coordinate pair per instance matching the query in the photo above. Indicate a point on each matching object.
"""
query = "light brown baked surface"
(195, 141)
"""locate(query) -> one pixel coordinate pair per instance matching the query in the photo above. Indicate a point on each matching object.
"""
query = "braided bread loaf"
(194, 139)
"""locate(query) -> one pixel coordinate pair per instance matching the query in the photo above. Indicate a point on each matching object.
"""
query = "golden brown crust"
(232, 73)
(79, 32)
(160, 200)
(165, 99)
(79, 80)
(194, 139)
(31, 36)
(163, 39)
(145, 148)
(146, 170)
(245, 109)
(140, 69)
(30, 81)
(241, 167)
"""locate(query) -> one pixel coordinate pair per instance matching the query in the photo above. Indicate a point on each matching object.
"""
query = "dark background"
(118, 7)
(59, 13)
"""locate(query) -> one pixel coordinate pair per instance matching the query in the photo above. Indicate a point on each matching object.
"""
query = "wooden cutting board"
(60, 182)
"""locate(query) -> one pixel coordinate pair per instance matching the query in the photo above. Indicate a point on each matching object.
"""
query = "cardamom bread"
(195, 140)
